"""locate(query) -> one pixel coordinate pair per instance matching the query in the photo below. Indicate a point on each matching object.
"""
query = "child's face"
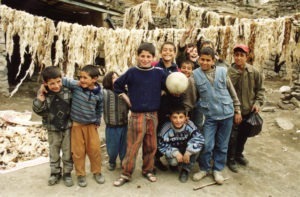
(86, 81)
(240, 58)
(54, 85)
(206, 62)
(145, 59)
(168, 52)
(193, 54)
(114, 78)
(178, 120)
(186, 69)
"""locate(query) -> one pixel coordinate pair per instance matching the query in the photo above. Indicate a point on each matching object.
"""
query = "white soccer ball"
(177, 83)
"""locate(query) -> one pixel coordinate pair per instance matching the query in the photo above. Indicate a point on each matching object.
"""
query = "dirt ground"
(273, 169)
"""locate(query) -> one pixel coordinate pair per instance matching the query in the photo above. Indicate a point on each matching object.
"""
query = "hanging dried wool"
(287, 31)
(226, 41)
(251, 43)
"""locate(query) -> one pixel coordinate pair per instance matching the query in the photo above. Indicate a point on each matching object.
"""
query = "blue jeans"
(116, 142)
(216, 135)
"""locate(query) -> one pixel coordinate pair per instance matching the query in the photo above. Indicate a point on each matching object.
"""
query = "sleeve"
(259, 89)
(196, 142)
(164, 145)
(99, 108)
(70, 83)
(234, 75)
(232, 92)
(120, 83)
(190, 95)
(39, 107)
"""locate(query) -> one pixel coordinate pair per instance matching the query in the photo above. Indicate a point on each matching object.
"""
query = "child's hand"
(186, 157)
(126, 99)
(255, 108)
(41, 96)
(43, 89)
(179, 158)
(237, 118)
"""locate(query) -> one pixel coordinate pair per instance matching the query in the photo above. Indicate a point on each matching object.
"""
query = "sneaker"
(160, 165)
(183, 176)
(81, 181)
(99, 178)
(218, 177)
(54, 178)
(199, 175)
(68, 179)
(242, 160)
(232, 165)
(111, 167)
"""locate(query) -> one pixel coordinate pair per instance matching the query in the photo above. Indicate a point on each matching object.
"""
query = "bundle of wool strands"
(177, 83)
(138, 17)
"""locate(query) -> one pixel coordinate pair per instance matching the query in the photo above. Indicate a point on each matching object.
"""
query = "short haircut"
(207, 51)
(170, 43)
(207, 42)
(146, 46)
(191, 45)
(91, 70)
(187, 61)
(51, 72)
(107, 80)
(178, 109)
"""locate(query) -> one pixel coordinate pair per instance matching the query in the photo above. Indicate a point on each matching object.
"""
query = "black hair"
(207, 42)
(146, 46)
(91, 70)
(207, 51)
(187, 61)
(177, 110)
(107, 80)
(51, 72)
(170, 43)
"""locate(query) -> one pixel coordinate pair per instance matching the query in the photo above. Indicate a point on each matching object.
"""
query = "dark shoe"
(242, 160)
(81, 181)
(183, 176)
(160, 165)
(99, 178)
(111, 167)
(54, 178)
(174, 168)
(68, 179)
(232, 166)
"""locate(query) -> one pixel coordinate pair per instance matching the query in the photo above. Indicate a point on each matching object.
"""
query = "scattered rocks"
(268, 109)
(284, 123)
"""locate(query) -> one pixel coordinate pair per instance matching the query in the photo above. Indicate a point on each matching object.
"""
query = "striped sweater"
(172, 140)
(87, 104)
(115, 109)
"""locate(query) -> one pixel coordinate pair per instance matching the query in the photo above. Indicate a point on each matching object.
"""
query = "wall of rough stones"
(3, 66)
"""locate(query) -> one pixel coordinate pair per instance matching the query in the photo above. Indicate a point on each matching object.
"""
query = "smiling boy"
(145, 84)
(180, 141)
(213, 94)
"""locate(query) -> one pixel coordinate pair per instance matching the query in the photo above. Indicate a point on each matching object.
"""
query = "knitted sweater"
(172, 140)
(115, 109)
(144, 87)
(87, 104)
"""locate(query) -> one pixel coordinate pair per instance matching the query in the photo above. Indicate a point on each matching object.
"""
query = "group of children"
(162, 123)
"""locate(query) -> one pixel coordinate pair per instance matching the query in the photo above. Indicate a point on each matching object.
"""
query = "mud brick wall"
(3, 66)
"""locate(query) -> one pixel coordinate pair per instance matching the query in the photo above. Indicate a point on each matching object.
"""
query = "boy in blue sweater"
(86, 111)
(145, 84)
(180, 141)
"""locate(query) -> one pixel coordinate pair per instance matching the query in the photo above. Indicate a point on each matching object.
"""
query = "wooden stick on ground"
(208, 184)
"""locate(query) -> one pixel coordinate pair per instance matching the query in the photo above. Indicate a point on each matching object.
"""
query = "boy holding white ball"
(211, 91)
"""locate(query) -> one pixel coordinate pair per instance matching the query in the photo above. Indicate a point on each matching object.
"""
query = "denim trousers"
(115, 142)
(216, 135)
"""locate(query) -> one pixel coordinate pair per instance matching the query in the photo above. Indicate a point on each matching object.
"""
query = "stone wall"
(3, 66)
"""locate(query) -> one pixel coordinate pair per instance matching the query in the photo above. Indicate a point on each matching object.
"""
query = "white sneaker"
(218, 177)
(199, 175)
